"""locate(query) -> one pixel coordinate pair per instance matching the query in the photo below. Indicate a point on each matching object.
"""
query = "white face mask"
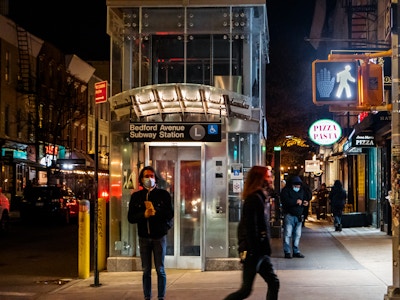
(148, 183)
(296, 189)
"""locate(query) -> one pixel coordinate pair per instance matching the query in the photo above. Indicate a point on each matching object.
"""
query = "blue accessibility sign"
(213, 129)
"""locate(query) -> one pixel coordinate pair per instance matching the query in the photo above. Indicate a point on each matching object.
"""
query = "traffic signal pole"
(360, 56)
(393, 291)
(100, 97)
(96, 282)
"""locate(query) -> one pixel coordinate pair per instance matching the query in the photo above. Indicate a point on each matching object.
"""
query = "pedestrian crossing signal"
(335, 82)
(371, 85)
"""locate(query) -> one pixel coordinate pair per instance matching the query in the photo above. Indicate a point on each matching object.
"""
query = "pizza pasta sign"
(325, 132)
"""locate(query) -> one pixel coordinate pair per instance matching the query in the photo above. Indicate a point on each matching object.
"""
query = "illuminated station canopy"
(182, 99)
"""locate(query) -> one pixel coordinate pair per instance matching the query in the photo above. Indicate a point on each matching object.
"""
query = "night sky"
(75, 27)
(79, 27)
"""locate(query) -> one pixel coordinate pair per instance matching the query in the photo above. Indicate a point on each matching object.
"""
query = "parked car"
(49, 202)
(4, 211)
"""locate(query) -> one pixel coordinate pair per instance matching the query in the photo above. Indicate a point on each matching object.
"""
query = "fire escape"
(27, 83)
(362, 20)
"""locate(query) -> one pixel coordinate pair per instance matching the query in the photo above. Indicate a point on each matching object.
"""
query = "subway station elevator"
(196, 70)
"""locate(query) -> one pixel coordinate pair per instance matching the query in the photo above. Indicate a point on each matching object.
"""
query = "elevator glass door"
(180, 170)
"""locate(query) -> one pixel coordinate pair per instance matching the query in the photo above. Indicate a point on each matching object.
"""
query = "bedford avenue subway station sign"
(174, 132)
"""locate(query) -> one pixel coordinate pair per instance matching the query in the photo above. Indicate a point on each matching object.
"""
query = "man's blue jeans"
(157, 248)
(291, 232)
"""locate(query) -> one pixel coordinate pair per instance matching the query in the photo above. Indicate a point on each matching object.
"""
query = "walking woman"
(253, 235)
(337, 197)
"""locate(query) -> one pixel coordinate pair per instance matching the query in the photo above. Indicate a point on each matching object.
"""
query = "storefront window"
(373, 184)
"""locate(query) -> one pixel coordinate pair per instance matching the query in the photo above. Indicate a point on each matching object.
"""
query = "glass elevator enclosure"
(192, 66)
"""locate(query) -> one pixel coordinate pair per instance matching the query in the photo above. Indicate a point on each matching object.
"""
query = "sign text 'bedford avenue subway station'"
(174, 132)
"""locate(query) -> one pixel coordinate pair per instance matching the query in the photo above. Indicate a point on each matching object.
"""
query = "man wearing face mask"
(293, 199)
(151, 209)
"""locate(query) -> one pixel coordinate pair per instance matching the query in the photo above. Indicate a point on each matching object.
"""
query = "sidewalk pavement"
(353, 264)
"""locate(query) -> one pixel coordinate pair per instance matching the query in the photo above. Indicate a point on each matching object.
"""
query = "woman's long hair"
(254, 181)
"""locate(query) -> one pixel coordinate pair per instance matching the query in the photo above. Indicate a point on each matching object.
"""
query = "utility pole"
(277, 224)
(393, 291)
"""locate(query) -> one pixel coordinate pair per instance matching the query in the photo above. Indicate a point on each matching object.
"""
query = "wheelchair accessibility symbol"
(212, 129)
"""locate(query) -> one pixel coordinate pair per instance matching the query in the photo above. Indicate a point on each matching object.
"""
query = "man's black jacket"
(155, 226)
(289, 201)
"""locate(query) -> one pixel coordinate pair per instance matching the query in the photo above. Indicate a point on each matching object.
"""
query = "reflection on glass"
(166, 171)
(190, 208)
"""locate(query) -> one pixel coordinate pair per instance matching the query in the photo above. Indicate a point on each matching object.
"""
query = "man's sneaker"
(287, 255)
(298, 255)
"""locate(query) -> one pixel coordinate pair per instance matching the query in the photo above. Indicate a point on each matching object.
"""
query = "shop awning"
(81, 155)
(371, 131)
(376, 122)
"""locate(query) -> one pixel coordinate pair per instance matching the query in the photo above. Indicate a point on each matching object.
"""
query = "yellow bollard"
(84, 239)
(101, 234)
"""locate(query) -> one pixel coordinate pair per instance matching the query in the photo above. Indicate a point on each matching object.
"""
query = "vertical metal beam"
(394, 290)
(185, 42)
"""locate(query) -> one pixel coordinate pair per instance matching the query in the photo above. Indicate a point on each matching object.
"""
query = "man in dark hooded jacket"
(293, 199)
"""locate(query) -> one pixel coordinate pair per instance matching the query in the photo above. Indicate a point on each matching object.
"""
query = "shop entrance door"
(180, 170)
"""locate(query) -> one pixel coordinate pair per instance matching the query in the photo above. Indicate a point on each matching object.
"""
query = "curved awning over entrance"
(180, 98)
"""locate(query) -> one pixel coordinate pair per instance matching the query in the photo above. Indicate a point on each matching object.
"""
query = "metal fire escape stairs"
(26, 80)
(362, 20)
